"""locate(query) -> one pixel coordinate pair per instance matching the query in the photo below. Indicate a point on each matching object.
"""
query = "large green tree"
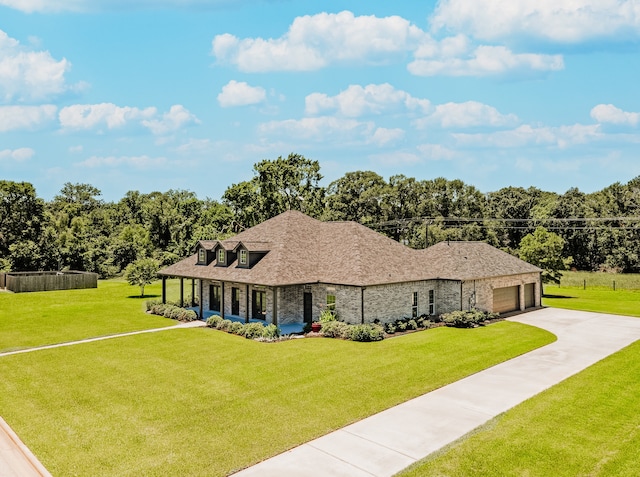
(544, 250)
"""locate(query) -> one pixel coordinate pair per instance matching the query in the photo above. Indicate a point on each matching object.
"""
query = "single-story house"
(290, 268)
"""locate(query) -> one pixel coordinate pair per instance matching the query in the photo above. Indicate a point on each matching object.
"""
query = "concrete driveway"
(390, 441)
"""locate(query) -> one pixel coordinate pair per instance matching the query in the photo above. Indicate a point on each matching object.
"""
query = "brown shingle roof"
(301, 249)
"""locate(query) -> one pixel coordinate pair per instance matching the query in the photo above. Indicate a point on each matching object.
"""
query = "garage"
(506, 299)
(529, 295)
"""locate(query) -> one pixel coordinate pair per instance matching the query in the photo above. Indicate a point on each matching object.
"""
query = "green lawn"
(196, 402)
(42, 318)
(601, 300)
(588, 425)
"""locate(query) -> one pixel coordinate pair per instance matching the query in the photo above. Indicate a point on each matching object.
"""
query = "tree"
(544, 250)
(142, 272)
(21, 217)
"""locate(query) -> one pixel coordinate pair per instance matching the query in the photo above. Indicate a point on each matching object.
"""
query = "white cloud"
(29, 75)
(468, 114)
(372, 99)
(436, 152)
(26, 117)
(111, 116)
(384, 136)
(90, 116)
(396, 159)
(136, 162)
(45, 6)
(527, 135)
(177, 117)
(315, 41)
(17, 155)
(320, 129)
(563, 21)
(236, 93)
(608, 113)
(482, 61)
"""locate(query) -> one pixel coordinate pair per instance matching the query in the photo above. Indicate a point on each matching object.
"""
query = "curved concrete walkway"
(390, 441)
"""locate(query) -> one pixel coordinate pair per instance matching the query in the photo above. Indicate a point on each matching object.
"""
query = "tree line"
(80, 231)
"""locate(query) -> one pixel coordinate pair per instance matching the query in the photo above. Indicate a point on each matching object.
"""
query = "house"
(290, 268)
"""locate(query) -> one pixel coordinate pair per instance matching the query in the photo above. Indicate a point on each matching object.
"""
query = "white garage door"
(506, 299)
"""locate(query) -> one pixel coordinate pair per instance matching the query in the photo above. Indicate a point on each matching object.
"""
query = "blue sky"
(188, 94)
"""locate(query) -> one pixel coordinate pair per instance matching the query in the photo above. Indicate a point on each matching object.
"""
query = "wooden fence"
(19, 282)
(3, 280)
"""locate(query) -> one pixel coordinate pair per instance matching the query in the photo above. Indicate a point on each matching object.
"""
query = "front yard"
(202, 402)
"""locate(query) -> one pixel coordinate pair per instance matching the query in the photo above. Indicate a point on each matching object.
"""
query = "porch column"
(521, 296)
(222, 300)
(362, 305)
(200, 300)
(247, 306)
(164, 289)
(274, 317)
(193, 292)
(181, 292)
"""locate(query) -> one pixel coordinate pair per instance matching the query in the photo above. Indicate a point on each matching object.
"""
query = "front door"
(307, 309)
(214, 297)
(259, 302)
(235, 301)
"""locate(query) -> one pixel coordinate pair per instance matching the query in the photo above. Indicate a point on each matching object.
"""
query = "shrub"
(366, 333)
(390, 328)
(151, 303)
(236, 328)
(335, 329)
(225, 325)
(401, 326)
(189, 315)
(271, 332)
(327, 316)
(412, 325)
(466, 319)
(213, 321)
(253, 330)
(175, 313)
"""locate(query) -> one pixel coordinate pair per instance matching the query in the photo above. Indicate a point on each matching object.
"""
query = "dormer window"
(243, 257)
(221, 255)
(202, 255)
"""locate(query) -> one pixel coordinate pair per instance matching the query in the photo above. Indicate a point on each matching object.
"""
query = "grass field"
(599, 295)
(42, 318)
(198, 402)
(588, 425)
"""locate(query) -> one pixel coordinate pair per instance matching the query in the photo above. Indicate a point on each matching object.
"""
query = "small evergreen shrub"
(366, 333)
(271, 332)
(149, 304)
(412, 325)
(335, 329)
(213, 321)
(253, 330)
(225, 325)
(236, 328)
(467, 319)
(189, 315)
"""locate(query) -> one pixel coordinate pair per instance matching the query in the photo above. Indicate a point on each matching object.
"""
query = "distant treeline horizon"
(77, 230)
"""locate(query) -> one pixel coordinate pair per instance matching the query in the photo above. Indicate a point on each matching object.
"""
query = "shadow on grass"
(146, 297)
(556, 296)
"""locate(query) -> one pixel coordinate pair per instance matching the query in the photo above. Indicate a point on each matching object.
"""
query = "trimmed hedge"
(251, 331)
(172, 311)
(423, 322)
(467, 319)
(339, 329)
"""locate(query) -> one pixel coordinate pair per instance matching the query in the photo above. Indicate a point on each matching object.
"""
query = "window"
(331, 302)
(414, 305)
(243, 257)
(202, 255)
(221, 255)
(432, 302)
